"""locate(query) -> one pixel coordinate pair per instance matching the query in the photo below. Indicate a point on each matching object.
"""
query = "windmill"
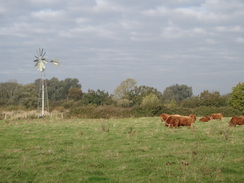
(40, 65)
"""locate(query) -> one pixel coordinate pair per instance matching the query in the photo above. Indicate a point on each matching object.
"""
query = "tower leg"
(43, 104)
(43, 97)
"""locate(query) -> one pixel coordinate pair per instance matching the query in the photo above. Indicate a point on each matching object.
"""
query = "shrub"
(202, 111)
(91, 111)
(181, 110)
(226, 111)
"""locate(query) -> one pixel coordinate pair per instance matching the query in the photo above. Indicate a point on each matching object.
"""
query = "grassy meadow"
(120, 150)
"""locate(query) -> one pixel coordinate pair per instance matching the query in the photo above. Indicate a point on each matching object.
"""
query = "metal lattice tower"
(43, 101)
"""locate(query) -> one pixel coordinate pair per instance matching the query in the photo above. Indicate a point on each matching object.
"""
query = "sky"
(158, 43)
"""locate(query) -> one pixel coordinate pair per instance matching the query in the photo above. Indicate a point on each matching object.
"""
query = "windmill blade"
(40, 51)
(44, 61)
(44, 54)
(40, 66)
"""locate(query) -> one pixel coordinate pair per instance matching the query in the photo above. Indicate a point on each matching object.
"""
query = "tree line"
(68, 94)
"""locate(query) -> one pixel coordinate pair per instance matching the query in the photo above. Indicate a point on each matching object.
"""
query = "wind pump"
(40, 64)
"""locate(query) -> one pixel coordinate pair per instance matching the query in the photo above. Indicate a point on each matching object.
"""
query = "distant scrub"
(100, 112)
(109, 111)
(106, 112)
(203, 111)
(180, 110)
(226, 111)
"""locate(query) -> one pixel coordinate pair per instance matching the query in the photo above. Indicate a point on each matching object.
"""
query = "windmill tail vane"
(55, 61)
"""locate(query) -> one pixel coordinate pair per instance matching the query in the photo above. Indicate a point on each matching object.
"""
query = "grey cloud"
(102, 42)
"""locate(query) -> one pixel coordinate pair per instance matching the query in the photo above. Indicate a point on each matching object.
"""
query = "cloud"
(48, 14)
(237, 29)
(240, 39)
(102, 42)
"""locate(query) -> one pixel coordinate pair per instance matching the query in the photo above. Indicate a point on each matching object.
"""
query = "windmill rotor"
(41, 61)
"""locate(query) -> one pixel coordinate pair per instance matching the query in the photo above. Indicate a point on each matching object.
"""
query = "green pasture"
(120, 150)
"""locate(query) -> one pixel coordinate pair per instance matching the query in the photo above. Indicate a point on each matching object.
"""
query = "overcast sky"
(159, 43)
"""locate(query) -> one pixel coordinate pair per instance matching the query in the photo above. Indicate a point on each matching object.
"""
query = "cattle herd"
(177, 120)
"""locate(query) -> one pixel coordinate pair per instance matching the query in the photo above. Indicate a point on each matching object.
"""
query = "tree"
(96, 97)
(191, 102)
(177, 92)
(150, 101)
(124, 88)
(237, 97)
(55, 89)
(8, 92)
(27, 96)
(214, 98)
(151, 104)
(122, 102)
(75, 94)
(69, 83)
(58, 90)
(137, 94)
(171, 104)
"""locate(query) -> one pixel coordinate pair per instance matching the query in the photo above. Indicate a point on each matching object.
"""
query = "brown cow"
(193, 116)
(205, 119)
(170, 122)
(177, 120)
(216, 116)
(237, 120)
(166, 119)
(164, 116)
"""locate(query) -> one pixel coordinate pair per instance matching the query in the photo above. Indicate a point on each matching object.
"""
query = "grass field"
(120, 150)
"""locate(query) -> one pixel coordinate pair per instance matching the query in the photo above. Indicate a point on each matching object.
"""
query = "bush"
(13, 108)
(207, 111)
(181, 110)
(202, 111)
(97, 112)
(145, 111)
(91, 111)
